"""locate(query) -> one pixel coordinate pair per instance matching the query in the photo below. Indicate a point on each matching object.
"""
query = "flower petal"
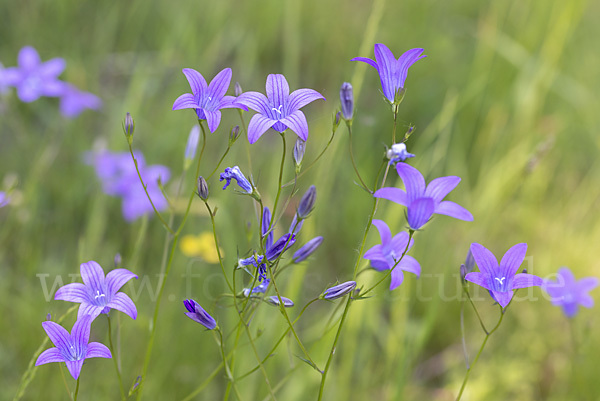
(374, 253)
(28, 58)
(413, 181)
(394, 194)
(115, 279)
(49, 355)
(278, 90)
(259, 124)
(404, 62)
(301, 97)
(481, 279)
(230, 102)
(185, 101)
(121, 301)
(87, 309)
(74, 292)
(213, 118)
(386, 63)
(570, 309)
(220, 83)
(58, 335)
(372, 63)
(455, 210)
(566, 277)
(513, 258)
(384, 232)
(586, 300)
(92, 275)
(503, 298)
(255, 101)
(380, 264)
(297, 123)
(440, 187)
(97, 350)
(410, 264)
(524, 280)
(80, 334)
(75, 368)
(419, 212)
(586, 284)
(397, 278)
(197, 82)
(399, 242)
(486, 261)
(53, 68)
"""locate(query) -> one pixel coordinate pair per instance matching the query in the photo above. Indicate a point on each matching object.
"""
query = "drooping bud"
(299, 149)
(307, 203)
(128, 127)
(339, 290)
(118, 260)
(274, 300)
(198, 314)
(234, 134)
(238, 89)
(307, 250)
(202, 189)
(347, 100)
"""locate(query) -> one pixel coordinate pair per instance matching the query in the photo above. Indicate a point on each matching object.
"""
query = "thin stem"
(352, 158)
(112, 349)
(227, 370)
(395, 119)
(241, 113)
(76, 390)
(62, 373)
(280, 179)
(219, 163)
(164, 223)
(465, 289)
(205, 383)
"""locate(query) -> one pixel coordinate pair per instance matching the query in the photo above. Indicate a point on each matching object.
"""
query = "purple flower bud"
(48, 317)
(470, 262)
(128, 126)
(238, 89)
(234, 134)
(307, 250)
(118, 260)
(198, 314)
(398, 153)
(192, 144)
(235, 173)
(278, 247)
(463, 273)
(338, 117)
(296, 225)
(307, 203)
(339, 290)
(347, 100)
(273, 300)
(266, 222)
(299, 149)
(202, 188)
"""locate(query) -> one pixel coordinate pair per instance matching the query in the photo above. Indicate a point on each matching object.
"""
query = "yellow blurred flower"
(202, 246)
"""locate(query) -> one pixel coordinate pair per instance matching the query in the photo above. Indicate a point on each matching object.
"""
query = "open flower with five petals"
(501, 279)
(423, 201)
(568, 292)
(99, 294)
(73, 348)
(392, 72)
(279, 110)
(208, 100)
(387, 255)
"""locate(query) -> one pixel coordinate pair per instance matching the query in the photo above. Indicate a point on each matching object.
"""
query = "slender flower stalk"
(112, 350)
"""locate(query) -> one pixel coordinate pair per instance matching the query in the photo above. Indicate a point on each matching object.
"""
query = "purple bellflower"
(235, 173)
(98, 294)
(72, 348)
(501, 279)
(208, 100)
(34, 79)
(74, 101)
(392, 72)
(119, 178)
(423, 201)
(198, 314)
(568, 292)
(279, 110)
(385, 255)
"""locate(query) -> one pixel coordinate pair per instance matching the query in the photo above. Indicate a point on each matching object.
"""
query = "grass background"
(506, 99)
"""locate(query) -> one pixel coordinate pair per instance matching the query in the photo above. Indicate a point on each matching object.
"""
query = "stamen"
(98, 295)
(277, 109)
(500, 280)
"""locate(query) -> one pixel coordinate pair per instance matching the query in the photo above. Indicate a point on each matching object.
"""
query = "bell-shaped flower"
(99, 294)
(568, 292)
(387, 254)
(198, 314)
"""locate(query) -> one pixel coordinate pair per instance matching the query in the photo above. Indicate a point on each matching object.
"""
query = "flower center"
(278, 110)
(100, 298)
(500, 280)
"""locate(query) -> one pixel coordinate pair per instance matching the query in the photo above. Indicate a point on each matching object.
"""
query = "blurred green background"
(507, 99)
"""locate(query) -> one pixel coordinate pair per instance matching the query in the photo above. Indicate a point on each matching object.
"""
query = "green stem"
(76, 390)
(349, 125)
(280, 179)
(219, 163)
(112, 349)
(395, 119)
(465, 289)
(62, 373)
(205, 383)
(228, 372)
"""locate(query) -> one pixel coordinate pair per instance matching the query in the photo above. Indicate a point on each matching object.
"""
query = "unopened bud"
(463, 273)
(238, 89)
(234, 134)
(299, 149)
(202, 188)
(128, 127)
(307, 203)
(274, 300)
(307, 250)
(192, 145)
(524, 270)
(337, 119)
(118, 260)
(339, 290)
(347, 100)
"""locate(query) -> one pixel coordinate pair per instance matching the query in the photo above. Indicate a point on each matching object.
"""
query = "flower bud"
(299, 149)
(234, 134)
(198, 314)
(307, 250)
(238, 89)
(202, 188)
(470, 262)
(337, 119)
(192, 145)
(280, 246)
(339, 290)
(463, 273)
(307, 203)
(118, 260)
(347, 100)
(273, 300)
(128, 127)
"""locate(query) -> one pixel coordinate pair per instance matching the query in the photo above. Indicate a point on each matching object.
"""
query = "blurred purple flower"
(421, 201)
(236, 174)
(72, 348)
(4, 199)
(98, 294)
(501, 279)
(569, 293)
(73, 101)
(192, 143)
(384, 256)
(198, 314)
(119, 178)
(392, 72)
(208, 100)
(34, 79)
(279, 109)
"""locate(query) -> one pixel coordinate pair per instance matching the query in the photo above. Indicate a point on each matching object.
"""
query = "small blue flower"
(398, 153)
(198, 314)
(235, 173)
